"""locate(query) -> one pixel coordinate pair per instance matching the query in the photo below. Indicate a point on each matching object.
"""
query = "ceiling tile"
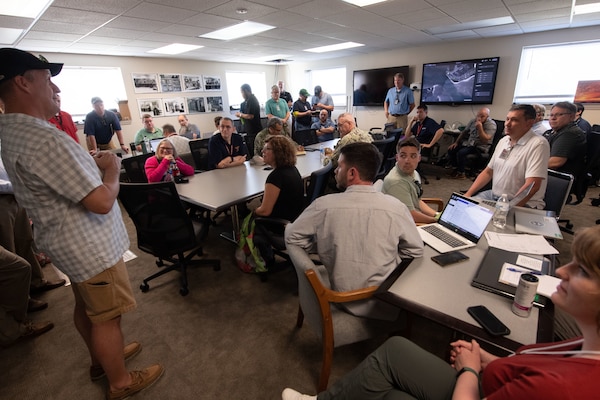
(74, 17)
(157, 12)
(62, 27)
(115, 6)
(137, 24)
(8, 21)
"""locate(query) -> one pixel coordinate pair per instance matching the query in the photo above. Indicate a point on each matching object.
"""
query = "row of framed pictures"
(170, 83)
(180, 105)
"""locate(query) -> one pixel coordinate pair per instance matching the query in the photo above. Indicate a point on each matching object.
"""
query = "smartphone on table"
(488, 321)
(449, 258)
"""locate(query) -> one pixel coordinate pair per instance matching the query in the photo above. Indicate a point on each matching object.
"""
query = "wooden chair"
(332, 324)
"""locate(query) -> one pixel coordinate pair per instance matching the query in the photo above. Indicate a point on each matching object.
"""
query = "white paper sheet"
(520, 243)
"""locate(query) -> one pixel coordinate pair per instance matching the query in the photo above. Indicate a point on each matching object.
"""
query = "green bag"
(247, 256)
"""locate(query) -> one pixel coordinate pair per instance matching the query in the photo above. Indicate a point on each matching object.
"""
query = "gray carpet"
(232, 337)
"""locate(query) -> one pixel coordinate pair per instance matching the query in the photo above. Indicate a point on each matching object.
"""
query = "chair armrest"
(333, 296)
(435, 201)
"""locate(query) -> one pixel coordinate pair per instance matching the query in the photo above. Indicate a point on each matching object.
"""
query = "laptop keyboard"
(443, 236)
(489, 202)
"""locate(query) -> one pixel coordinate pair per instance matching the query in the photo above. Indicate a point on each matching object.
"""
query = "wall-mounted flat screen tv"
(460, 82)
(371, 85)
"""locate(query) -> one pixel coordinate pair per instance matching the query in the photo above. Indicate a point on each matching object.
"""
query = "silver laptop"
(460, 226)
(154, 143)
(514, 201)
(537, 222)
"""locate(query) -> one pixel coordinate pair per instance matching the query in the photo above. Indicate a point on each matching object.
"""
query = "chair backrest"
(497, 136)
(387, 148)
(199, 150)
(557, 191)
(162, 225)
(305, 137)
(135, 167)
(318, 183)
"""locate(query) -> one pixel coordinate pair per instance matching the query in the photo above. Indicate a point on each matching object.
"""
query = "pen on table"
(524, 271)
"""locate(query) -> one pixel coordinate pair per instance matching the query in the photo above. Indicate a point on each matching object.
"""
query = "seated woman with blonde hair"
(165, 164)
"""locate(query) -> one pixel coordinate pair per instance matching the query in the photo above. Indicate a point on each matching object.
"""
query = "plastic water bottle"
(321, 153)
(502, 207)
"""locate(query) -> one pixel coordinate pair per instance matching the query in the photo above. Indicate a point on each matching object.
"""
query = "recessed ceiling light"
(175, 48)
(241, 11)
(364, 3)
(243, 29)
(27, 9)
(334, 47)
(9, 35)
(586, 8)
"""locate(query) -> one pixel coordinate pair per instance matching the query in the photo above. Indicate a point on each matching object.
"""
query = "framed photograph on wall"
(192, 83)
(174, 105)
(587, 92)
(214, 103)
(150, 106)
(145, 83)
(170, 83)
(212, 83)
(195, 105)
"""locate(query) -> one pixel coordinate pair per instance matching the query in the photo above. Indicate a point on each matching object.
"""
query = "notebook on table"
(460, 226)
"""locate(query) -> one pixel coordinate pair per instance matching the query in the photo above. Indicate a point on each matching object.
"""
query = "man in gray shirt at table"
(361, 235)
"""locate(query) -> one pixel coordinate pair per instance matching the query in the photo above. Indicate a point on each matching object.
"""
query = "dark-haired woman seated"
(284, 192)
(400, 369)
(160, 167)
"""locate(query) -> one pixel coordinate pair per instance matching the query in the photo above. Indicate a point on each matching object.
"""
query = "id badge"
(396, 102)
(504, 154)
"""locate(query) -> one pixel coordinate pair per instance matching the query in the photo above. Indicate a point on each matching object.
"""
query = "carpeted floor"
(232, 337)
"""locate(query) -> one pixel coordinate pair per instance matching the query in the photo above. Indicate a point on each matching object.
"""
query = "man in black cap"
(71, 198)
(100, 126)
(322, 101)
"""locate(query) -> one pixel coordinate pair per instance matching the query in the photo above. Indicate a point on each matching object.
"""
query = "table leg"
(232, 236)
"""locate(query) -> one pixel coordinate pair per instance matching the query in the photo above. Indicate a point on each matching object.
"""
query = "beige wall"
(507, 48)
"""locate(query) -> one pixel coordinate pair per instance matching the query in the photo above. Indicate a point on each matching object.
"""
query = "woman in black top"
(284, 192)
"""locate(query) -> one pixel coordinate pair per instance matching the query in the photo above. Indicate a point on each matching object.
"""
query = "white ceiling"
(133, 27)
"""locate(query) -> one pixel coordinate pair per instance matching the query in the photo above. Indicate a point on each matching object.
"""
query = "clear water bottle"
(321, 153)
(148, 145)
(502, 207)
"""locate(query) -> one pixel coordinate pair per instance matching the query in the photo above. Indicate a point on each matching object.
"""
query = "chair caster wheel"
(184, 291)
(144, 287)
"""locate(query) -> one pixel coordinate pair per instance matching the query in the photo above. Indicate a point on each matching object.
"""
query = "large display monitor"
(371, 85)
(460, 82)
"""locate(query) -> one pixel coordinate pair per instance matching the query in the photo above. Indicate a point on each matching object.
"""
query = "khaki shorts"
(106, 295)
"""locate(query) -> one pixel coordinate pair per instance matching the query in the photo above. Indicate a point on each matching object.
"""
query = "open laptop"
(514, 201)
(460, 226)
(154, 143)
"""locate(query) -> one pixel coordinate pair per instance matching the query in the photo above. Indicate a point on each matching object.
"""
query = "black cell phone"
(449, 258)
(488, 321)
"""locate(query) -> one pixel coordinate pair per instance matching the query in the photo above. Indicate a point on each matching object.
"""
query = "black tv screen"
(460, 82)
(371, 85)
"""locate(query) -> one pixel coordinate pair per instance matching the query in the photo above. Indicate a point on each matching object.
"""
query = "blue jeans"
(458, 156)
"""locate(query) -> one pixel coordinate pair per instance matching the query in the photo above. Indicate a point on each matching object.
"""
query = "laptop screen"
(466, 216)
(154, 143)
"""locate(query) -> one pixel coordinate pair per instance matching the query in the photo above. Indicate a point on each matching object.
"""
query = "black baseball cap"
(14, 62)
(317, 90)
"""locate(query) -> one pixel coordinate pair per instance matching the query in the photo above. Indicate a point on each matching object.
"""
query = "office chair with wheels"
(557, 193)
(387, 149)
(135, 168)
(318, 306)
(164, 229)
(477, 162)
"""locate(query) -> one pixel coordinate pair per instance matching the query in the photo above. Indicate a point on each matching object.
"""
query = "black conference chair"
(305, 137)
(164, 229)
(387, 149)
(135, 168)
(317, 183)
(477, 162)
(556, 196)
(199, 150)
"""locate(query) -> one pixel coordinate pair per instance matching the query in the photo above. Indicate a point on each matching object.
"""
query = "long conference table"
(442, 294)
(219, 189)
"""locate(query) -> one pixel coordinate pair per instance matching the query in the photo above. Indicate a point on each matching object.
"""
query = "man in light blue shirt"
(399, 102)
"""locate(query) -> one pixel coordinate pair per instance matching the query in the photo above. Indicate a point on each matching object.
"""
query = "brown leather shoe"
(36, 305)
(48, 285)
(140, 380)
(130, 351)
(32, 329)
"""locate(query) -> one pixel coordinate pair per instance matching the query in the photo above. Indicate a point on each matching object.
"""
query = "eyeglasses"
(166, 149)
(558, 115)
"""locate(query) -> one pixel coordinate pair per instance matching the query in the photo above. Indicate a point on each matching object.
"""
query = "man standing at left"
(100, 126)
(78, 222)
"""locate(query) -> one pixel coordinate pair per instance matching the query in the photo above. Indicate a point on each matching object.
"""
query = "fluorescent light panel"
(586, 9)
(364, 3)
(334, 47)
(175, 48)
(243, 29)
(26, 9)
(9, 35)
(471, 25)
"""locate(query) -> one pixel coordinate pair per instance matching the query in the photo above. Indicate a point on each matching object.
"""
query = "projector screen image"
(371, 85)
(460, 82)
